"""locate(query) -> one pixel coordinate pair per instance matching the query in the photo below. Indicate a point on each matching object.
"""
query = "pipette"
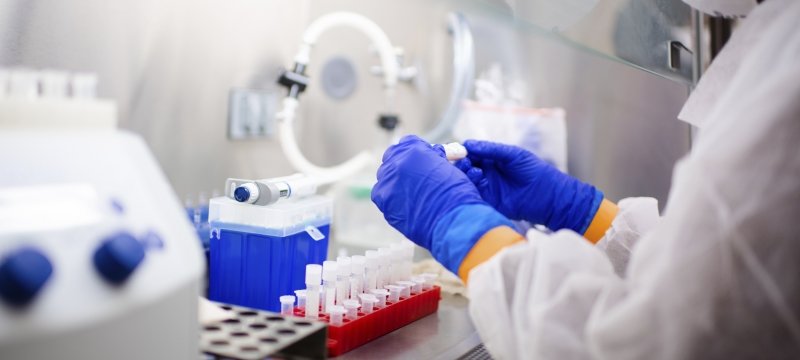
(268, 191)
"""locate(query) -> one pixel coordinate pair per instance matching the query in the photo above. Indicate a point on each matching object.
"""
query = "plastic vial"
(23, 83)
(287, 304)
(342, 279)
(329, 272)
(429, 279)
(367, 302)
(394, 293)
(357, 278)
(384, 267)
(301, 298)
(407, 285)
(418, 281)
(381, 294)
(313, 280)
(337, 312)
(352, 309)
(84, 85)
(371, 271)
(397, 263)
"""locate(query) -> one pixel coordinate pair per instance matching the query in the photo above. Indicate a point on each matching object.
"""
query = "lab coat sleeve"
(528, 287)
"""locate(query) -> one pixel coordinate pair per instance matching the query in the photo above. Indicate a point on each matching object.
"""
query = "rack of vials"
(364, 297)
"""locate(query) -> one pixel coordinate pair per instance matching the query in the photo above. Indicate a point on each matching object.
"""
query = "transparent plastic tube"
(407, 285)
(287, 304)
(394, 293)
(418, 283)
(342, 279)
(384, 267)
(351, 306)
(371, 271)
(429, 280)
(381, 295)
(313, 280)
(358, 263)
(301, 298)
(329, 272)
(337, 313)
(368, 301)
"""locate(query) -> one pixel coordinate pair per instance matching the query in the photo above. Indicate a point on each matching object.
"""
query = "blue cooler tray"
(251, 269)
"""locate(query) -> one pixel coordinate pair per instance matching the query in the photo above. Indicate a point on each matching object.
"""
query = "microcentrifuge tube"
(313, 280)
(429, 279)
(407, 285)
(352, 309)
(381, 294)
(336, 313)
(329, 272)
(418, 281)
(367, 302)
(358, 263)
(287, 304)
(371, 271)
(397, 262)
(385, 267)
(301, 298)
(394, 293)
(342, 279)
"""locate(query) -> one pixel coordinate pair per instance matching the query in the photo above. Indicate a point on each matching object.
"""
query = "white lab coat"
(718, 275)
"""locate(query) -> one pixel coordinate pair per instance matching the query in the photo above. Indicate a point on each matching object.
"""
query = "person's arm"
(504, 236)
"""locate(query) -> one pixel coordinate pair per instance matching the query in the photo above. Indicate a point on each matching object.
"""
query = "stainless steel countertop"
(446, 334)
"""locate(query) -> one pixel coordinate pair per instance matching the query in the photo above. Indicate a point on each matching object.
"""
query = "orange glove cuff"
(489, 244)
(601, 222)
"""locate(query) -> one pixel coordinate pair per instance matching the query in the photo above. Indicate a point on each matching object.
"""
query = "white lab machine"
(97, 257)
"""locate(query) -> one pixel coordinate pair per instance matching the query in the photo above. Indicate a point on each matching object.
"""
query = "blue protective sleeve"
(456, 233)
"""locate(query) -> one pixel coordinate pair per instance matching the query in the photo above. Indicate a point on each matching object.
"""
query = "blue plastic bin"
(253, 265)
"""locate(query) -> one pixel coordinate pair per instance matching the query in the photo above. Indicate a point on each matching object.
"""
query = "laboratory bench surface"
(446, 334)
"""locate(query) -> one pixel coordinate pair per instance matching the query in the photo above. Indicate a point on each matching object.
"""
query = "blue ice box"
(258, 253)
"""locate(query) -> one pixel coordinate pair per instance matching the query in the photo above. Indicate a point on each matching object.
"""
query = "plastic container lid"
(313, 274)
(287, 299)
(284, 218)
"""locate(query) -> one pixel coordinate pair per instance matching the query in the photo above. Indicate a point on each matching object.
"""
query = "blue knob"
(241, 194)
(22, 274)
(117, 257)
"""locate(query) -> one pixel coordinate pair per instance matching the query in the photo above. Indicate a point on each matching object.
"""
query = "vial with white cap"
(407, 285)
(301, 299)
(368, 301)
(396, 253)
(381, 295)
(371, 271)
(287, 304)
(394, 293)
(454, 151)
(352, 309)
(337, 313)
(313, 280)
(429, 279)
(384, 267)
(358, 264)
(418, 281)
(329, 273)
(342, 279)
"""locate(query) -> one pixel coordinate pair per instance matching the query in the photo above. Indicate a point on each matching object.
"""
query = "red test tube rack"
(381, 321)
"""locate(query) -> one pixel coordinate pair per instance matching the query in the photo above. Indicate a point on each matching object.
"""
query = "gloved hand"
(523, 187)
(425, 197)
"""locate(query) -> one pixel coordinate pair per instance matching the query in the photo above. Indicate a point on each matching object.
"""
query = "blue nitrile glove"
(523, 187)
(431, 202)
